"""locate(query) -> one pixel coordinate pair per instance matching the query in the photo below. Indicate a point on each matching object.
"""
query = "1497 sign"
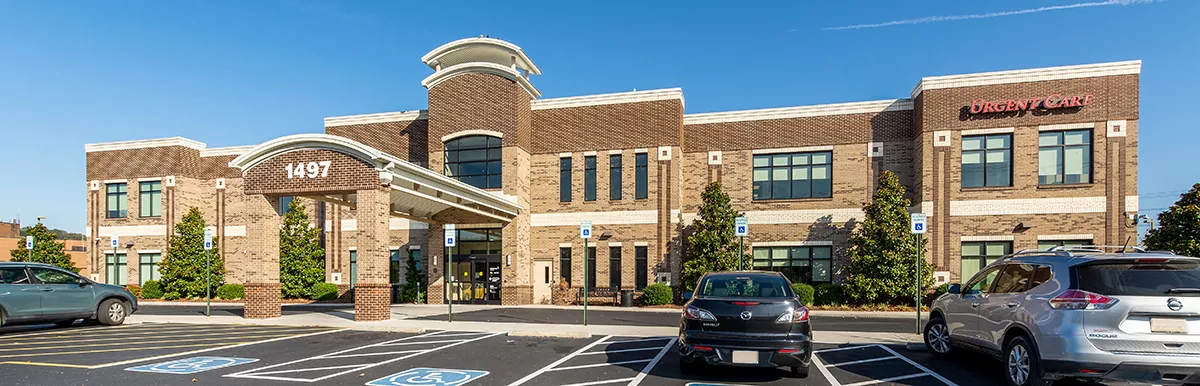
(308, 170)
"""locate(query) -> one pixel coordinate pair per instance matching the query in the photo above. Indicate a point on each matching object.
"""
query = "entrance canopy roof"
(344, 166)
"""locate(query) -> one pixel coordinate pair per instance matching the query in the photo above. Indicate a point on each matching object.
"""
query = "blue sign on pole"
(191, 365)
(425, 376)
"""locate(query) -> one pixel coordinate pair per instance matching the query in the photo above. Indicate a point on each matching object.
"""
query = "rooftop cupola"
(481, 55)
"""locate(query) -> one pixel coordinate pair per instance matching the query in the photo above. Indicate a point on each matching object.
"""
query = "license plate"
(1168, 325)
(745, 357)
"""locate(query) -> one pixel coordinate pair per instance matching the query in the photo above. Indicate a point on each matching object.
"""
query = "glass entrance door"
(477, 279)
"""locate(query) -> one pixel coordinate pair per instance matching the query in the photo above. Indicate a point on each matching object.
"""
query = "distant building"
(10, 229)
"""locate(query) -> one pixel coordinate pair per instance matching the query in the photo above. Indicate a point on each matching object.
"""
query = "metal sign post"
(741, 228)
(918, 227)
(208, 235)
(29, 247)
(116, 245)
(585, 232)
(451, 239)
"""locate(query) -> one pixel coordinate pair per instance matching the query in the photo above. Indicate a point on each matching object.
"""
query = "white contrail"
(932, 19)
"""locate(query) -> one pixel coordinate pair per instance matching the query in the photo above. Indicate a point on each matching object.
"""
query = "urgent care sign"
(1050, 102)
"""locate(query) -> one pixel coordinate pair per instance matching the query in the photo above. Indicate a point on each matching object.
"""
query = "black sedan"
(747, 319)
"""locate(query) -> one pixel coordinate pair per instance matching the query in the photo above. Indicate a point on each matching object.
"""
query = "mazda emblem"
(1174, 304)
(746, 315)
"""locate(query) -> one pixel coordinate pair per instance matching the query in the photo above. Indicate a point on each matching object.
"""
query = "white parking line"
(621, 351)
(892, 379)
(599, 365)
(824, 368)
(646, 370)
(607, 340)
(619, 380)
(370, 362)
(862, 361)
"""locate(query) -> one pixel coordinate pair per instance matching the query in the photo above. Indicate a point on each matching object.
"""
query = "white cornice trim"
(997, 130)
(471, 132)
(144, 143)
(225, 151)
(362, 119)
(431, 59)
(799, 111)
(481, 67)
(609, 99)
(1028, 206)
(1028, 75)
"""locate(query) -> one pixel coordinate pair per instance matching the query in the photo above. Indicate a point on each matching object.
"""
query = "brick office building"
(1000, 161)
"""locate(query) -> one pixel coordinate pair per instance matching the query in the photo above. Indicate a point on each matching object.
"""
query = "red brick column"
(372, 300)
(262, 257)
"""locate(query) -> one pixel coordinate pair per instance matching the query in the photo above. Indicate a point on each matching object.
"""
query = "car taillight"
(1081, 300)
(795, 316)
(696, 313)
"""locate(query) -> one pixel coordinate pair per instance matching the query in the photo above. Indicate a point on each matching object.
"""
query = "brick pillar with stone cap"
(372, 288)
(262, 255)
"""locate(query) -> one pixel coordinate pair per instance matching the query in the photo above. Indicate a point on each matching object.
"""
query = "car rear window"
(13, 276)
(1138, 279)
(745, 286)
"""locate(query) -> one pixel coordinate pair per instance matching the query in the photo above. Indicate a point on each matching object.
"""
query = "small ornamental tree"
(414, 287)
(883, 253)
(1179, 226)
(46, 249)
(713, 246)
(301, 258)
(183, 266)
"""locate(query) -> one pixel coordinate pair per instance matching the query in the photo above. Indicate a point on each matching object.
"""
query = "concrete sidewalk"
(345, 319)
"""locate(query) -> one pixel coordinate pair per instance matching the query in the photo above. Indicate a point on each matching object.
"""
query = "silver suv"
(1078, 312)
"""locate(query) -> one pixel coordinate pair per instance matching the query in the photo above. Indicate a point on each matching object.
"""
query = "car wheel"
(1021, 363)
(64, 323)
(3, 318)
(937, 337)
(800, 371)
(112, 312)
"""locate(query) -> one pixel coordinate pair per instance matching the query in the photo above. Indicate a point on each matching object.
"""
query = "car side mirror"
(687, 295)
(954, 289)
(84, 282)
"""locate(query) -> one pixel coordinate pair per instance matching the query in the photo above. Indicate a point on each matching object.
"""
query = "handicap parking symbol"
(425, 376)
(192, 365)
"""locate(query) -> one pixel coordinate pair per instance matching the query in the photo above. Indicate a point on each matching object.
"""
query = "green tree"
(414, 283)
(301, 258)
(46, 249)
(183, 267)
(1179, 226)
(712, 247)
(883, 253)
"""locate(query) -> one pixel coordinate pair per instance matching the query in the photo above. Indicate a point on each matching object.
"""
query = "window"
(976, 255)
(353, 268)
(793, 175)
(114, 269)
(564, 264)
(13, 276)
(614, 177)
(742, 286)
(591, 271)
(285, 203)
(394, 262)
(415, 255)
(54, 276)
(546, 274)
(987, 160)
(639, 280)
(150, 199)
(478, 242)
(1047, 244)
(799, 264)
(1041, 276)
(982, 284)
(1014, 279)
(1065, 157)
(564, 179)
(640, 191)
(148, 267)
(614, 268)
(1140, 278)
(589, 178)
(475, 160)
(115, 200)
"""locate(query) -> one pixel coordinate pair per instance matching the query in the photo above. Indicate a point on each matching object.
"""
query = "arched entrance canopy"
(284, 166)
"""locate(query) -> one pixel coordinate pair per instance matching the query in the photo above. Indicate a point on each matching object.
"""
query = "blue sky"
(241, 72)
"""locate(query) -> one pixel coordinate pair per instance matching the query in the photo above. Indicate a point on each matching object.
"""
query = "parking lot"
(257, 355)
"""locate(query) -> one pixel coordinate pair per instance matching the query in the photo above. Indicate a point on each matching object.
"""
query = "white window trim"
(611, 152)
(1067, 126)
(641, 151)
(1081, 236)
(149, 179)
(805, 243)
(467, 133)
(997, 130)
(589, 154)
(641, 244)
(792, 149)
(564, 245)
(967, 239)
(149, 251)
(615, 244)
(564, 155)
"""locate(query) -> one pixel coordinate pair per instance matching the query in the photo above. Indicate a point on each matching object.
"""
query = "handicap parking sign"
(429, 377)
(192, 365)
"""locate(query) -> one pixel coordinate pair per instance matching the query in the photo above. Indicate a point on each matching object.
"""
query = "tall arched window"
(474, 160)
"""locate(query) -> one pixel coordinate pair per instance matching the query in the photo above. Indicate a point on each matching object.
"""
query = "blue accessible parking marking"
(192, 365)
(425, 376)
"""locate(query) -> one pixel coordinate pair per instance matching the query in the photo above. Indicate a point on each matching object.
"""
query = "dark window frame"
(641, 176)
(792, 260)
(641, 267)
(591, 269)
(113, 267)
(589, 178)
(117, 194)
(983, 152)
(145, 267)
(492, 160)
(564, 179)
(983, 258)
(614, 268)
(766, 190)
(564, 264)
(1061, 153)
(150, 192)
(615, 165)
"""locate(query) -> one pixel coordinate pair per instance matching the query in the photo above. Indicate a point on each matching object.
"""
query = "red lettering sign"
(1050, 102)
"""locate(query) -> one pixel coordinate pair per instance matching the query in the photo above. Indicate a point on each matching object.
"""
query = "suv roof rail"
(1099, 248)
(1052, 251)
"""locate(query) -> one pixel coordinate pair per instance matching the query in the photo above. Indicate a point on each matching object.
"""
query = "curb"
(538, 334)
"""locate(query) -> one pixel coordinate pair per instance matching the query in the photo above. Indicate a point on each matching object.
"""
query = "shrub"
(152, 290)
(805, 292)
(324, 291)
(657, 294)
(828, 294)
(937, 293)
(170, 296)
(135, 290)
(231, 292)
